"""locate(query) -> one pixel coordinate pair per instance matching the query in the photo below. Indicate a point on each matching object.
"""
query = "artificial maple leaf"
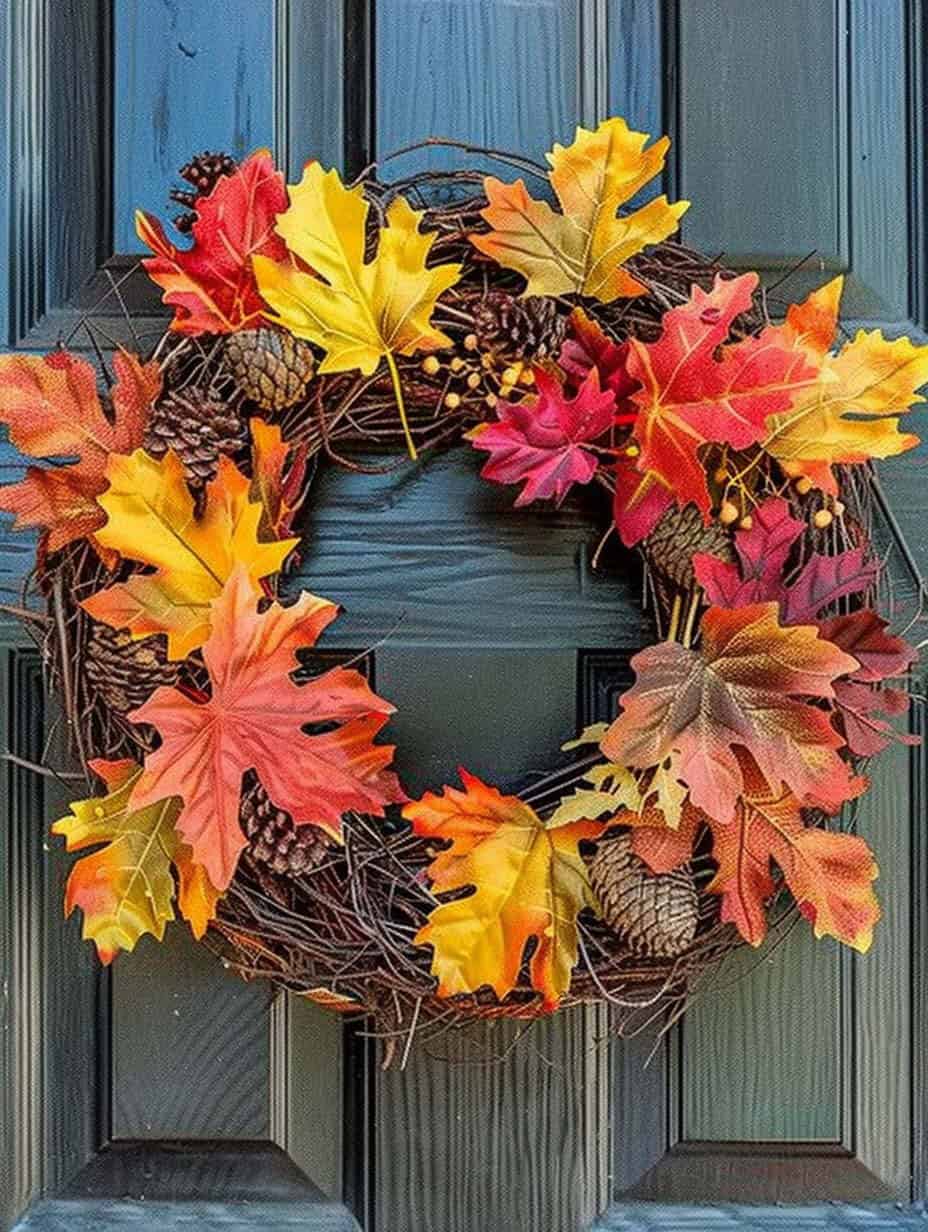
(829, 875)
(529, 881)
(687, 397)
(860, 704)
(126, 889)
(539, 442)
(150, 518)
(740, 690)
(851, 414)
(583, 249)
(51, 407)
(363, 311)
(758, 575)
(612, 789)
(588, 347)
(278, 472)
(211, 285)
(640, 501)
(663, 849)
(253, 719)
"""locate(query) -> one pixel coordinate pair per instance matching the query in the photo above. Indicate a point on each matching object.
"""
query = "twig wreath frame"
(576, 345)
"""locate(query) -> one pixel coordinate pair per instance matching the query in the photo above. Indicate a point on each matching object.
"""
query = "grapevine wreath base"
(575, 346)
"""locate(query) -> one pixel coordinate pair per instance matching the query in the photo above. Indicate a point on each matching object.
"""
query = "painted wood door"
(797, 126)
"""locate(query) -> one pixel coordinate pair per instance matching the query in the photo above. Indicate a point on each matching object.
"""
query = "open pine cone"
(199, 427)
(657, 913)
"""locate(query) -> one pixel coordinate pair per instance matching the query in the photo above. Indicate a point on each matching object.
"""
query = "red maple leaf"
(759, 574)
(212, 284)
(254, 720)
(539, 442)
(691, 394)
(588, 346)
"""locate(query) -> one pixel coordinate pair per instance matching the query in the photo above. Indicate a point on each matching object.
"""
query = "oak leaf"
(211, 285)
(663, 849)
(741, 689)
(51, 407)
(852, 413)
(253, 719)
(540, 442)
(150, 518)
(126, 889)
(612, 789)
(529, 881)
(688, 397)
(583, 249)
(829, 875)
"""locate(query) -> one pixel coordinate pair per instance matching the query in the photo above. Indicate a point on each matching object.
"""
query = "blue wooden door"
(799, 1078)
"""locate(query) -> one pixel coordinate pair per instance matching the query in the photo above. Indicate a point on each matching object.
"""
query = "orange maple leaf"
(254, 720)
(529, 881)
(51, 406)
(744, 688)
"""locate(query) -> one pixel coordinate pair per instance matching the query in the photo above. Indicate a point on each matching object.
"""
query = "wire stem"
(401, 405)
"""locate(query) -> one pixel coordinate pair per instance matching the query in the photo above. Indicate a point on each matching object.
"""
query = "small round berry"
(527, 377)
(838, 509)
(822, 518)
(452, 401)
(632, 451)
(510, 376)
(803, 485)
(728, 513)
(720, 475)
(474, 380)
(746, 522)
(456, 364)
(491, 400)
(430, 365)
(471, 343)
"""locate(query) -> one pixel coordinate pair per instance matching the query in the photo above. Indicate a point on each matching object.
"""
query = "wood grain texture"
(190, 1045)
(116, 1213)
(636, 70)
(52, 1064)
(503, 75)
(310, 70)
(188, 76)
(727, 1217)
(471, 1138)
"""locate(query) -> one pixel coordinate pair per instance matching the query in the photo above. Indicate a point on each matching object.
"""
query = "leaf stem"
(400, 404)
(695, 599)
(675, 617)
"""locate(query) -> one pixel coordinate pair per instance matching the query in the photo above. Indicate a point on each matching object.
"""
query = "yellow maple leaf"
(150, 518)
(530, 881)
(583, 249)
(852, 413)
(363, 311)
(613, 789)
(126, 889)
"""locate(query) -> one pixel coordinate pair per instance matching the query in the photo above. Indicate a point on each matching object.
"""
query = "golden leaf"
(151, 520)
(363, 311)
(583, 249)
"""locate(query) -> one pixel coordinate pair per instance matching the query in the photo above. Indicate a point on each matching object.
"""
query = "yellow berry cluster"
(478, 375)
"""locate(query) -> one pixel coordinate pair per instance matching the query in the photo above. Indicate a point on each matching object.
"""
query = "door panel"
(797, 1074)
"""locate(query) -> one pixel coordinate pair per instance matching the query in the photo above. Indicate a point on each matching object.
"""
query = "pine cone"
(656, 913)
(124, 672)
(203, 173)
(269, 366)
(519, 329)
(274, 840)
(199, 428)
(670, 547)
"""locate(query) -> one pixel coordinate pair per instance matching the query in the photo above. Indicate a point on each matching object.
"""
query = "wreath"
(239, 776)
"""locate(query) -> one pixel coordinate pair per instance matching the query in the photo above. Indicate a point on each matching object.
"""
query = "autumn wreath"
(573, 346)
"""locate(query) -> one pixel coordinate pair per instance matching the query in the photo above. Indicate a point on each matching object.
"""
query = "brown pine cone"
(274, 840)
(514, 329)
(202, 173)
(124, 672)
(199, 428)
(656, 913)
(670, 547)
(269, 366)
